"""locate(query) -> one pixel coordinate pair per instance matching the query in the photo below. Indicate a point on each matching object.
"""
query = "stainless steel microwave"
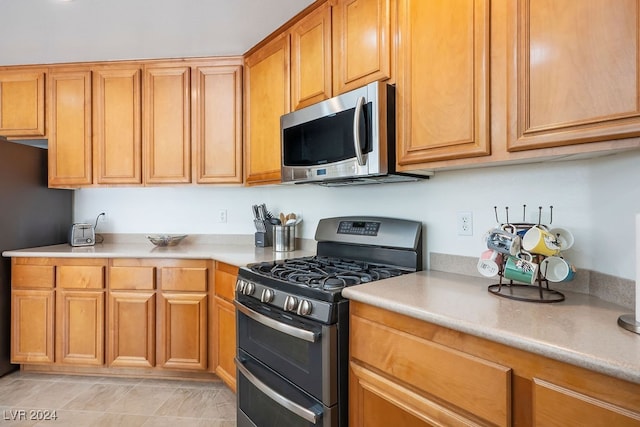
(348, 139)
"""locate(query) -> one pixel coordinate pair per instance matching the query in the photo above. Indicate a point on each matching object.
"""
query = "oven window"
(312, 366)
(271, 340)
(326, 140)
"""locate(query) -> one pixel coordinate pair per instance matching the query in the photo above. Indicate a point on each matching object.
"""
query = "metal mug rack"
(539, 291)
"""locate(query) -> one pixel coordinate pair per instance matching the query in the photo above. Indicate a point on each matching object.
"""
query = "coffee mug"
(522, 227)
(503, 241)
(540, 241)
(564, 237)
(489, 263)
(521, 269)
(557, 269)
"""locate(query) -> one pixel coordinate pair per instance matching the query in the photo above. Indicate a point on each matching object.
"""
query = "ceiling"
(54, 31)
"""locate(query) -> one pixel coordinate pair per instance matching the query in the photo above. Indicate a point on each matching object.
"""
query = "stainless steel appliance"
(348, 139)
(31, 215)
(82, 234)
(292, 321)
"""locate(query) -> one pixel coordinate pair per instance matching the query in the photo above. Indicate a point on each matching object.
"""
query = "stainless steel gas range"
(293, 325)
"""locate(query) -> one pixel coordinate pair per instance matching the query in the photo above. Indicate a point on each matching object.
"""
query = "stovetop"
(350, 251)
(326, 273)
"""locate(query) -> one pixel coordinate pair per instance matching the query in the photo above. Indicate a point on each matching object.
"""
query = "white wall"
(596, 199)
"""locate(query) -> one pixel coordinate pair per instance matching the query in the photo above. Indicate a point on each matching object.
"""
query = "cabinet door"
(443, 80)
(267, 98)
(22, 103)
(80, 327)
(132, 331)
(117, 138)
(361, 43)
(224, 322)
(32, 317)
(69, 101)
(167, 125)
(182, 341)
(311, 58)
(225, 319)
(573, 73)
(217, 124)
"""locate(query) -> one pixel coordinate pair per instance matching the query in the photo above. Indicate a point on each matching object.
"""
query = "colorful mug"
(489, 263)
(520, 269)
(503, 241)
(557, 269)
(540, 241)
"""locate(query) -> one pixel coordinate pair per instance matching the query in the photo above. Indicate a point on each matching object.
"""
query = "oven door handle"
(299, 410)
(356, 131)
(303, 334)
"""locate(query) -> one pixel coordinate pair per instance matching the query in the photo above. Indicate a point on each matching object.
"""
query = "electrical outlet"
(222, 215)
(465, 224)
(103, 217)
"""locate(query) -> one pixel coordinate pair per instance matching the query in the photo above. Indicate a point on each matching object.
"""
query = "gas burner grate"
(326, 273)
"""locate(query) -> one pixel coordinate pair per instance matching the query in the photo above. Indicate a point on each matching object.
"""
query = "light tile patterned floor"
(85, 401)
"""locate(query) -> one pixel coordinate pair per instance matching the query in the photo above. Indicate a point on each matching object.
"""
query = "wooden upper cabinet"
(266, 99)
(69, 101)
(117, 138)
(22, 103)
(167, 124)
(311, 58)
(573, 72)
(362, 42)
(217, 123)
(443, 80)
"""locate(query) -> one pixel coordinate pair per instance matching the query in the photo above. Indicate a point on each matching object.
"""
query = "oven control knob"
(304, 308)
(267, 295)
(240, 284)
(290, 303)
(249, 288)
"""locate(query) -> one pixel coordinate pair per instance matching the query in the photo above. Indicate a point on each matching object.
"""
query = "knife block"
(264, 239)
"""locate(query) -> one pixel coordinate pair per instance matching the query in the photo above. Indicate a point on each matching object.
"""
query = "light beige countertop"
(238, 250)
(581, 330)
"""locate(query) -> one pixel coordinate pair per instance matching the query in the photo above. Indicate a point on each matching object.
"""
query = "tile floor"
(85, 401)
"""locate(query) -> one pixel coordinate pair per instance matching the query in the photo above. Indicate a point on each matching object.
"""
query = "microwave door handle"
(299, 410)
(356, 131)
(303, 334)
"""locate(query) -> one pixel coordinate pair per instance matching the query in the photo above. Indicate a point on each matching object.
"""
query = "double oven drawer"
(287, 368)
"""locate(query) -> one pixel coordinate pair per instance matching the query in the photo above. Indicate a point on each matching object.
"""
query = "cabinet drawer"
(183, 279)
(475, 385)
(80, 276)
(558, 406)
(132, 278)
(32, 276)
(225, 281)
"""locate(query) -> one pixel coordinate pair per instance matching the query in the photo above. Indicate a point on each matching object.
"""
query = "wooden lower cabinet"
(183, 331)
(124, 316)
(224, 317)
(80, 327)
(32, 317)
(132, 329)
(404, 371)
(58, 311)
